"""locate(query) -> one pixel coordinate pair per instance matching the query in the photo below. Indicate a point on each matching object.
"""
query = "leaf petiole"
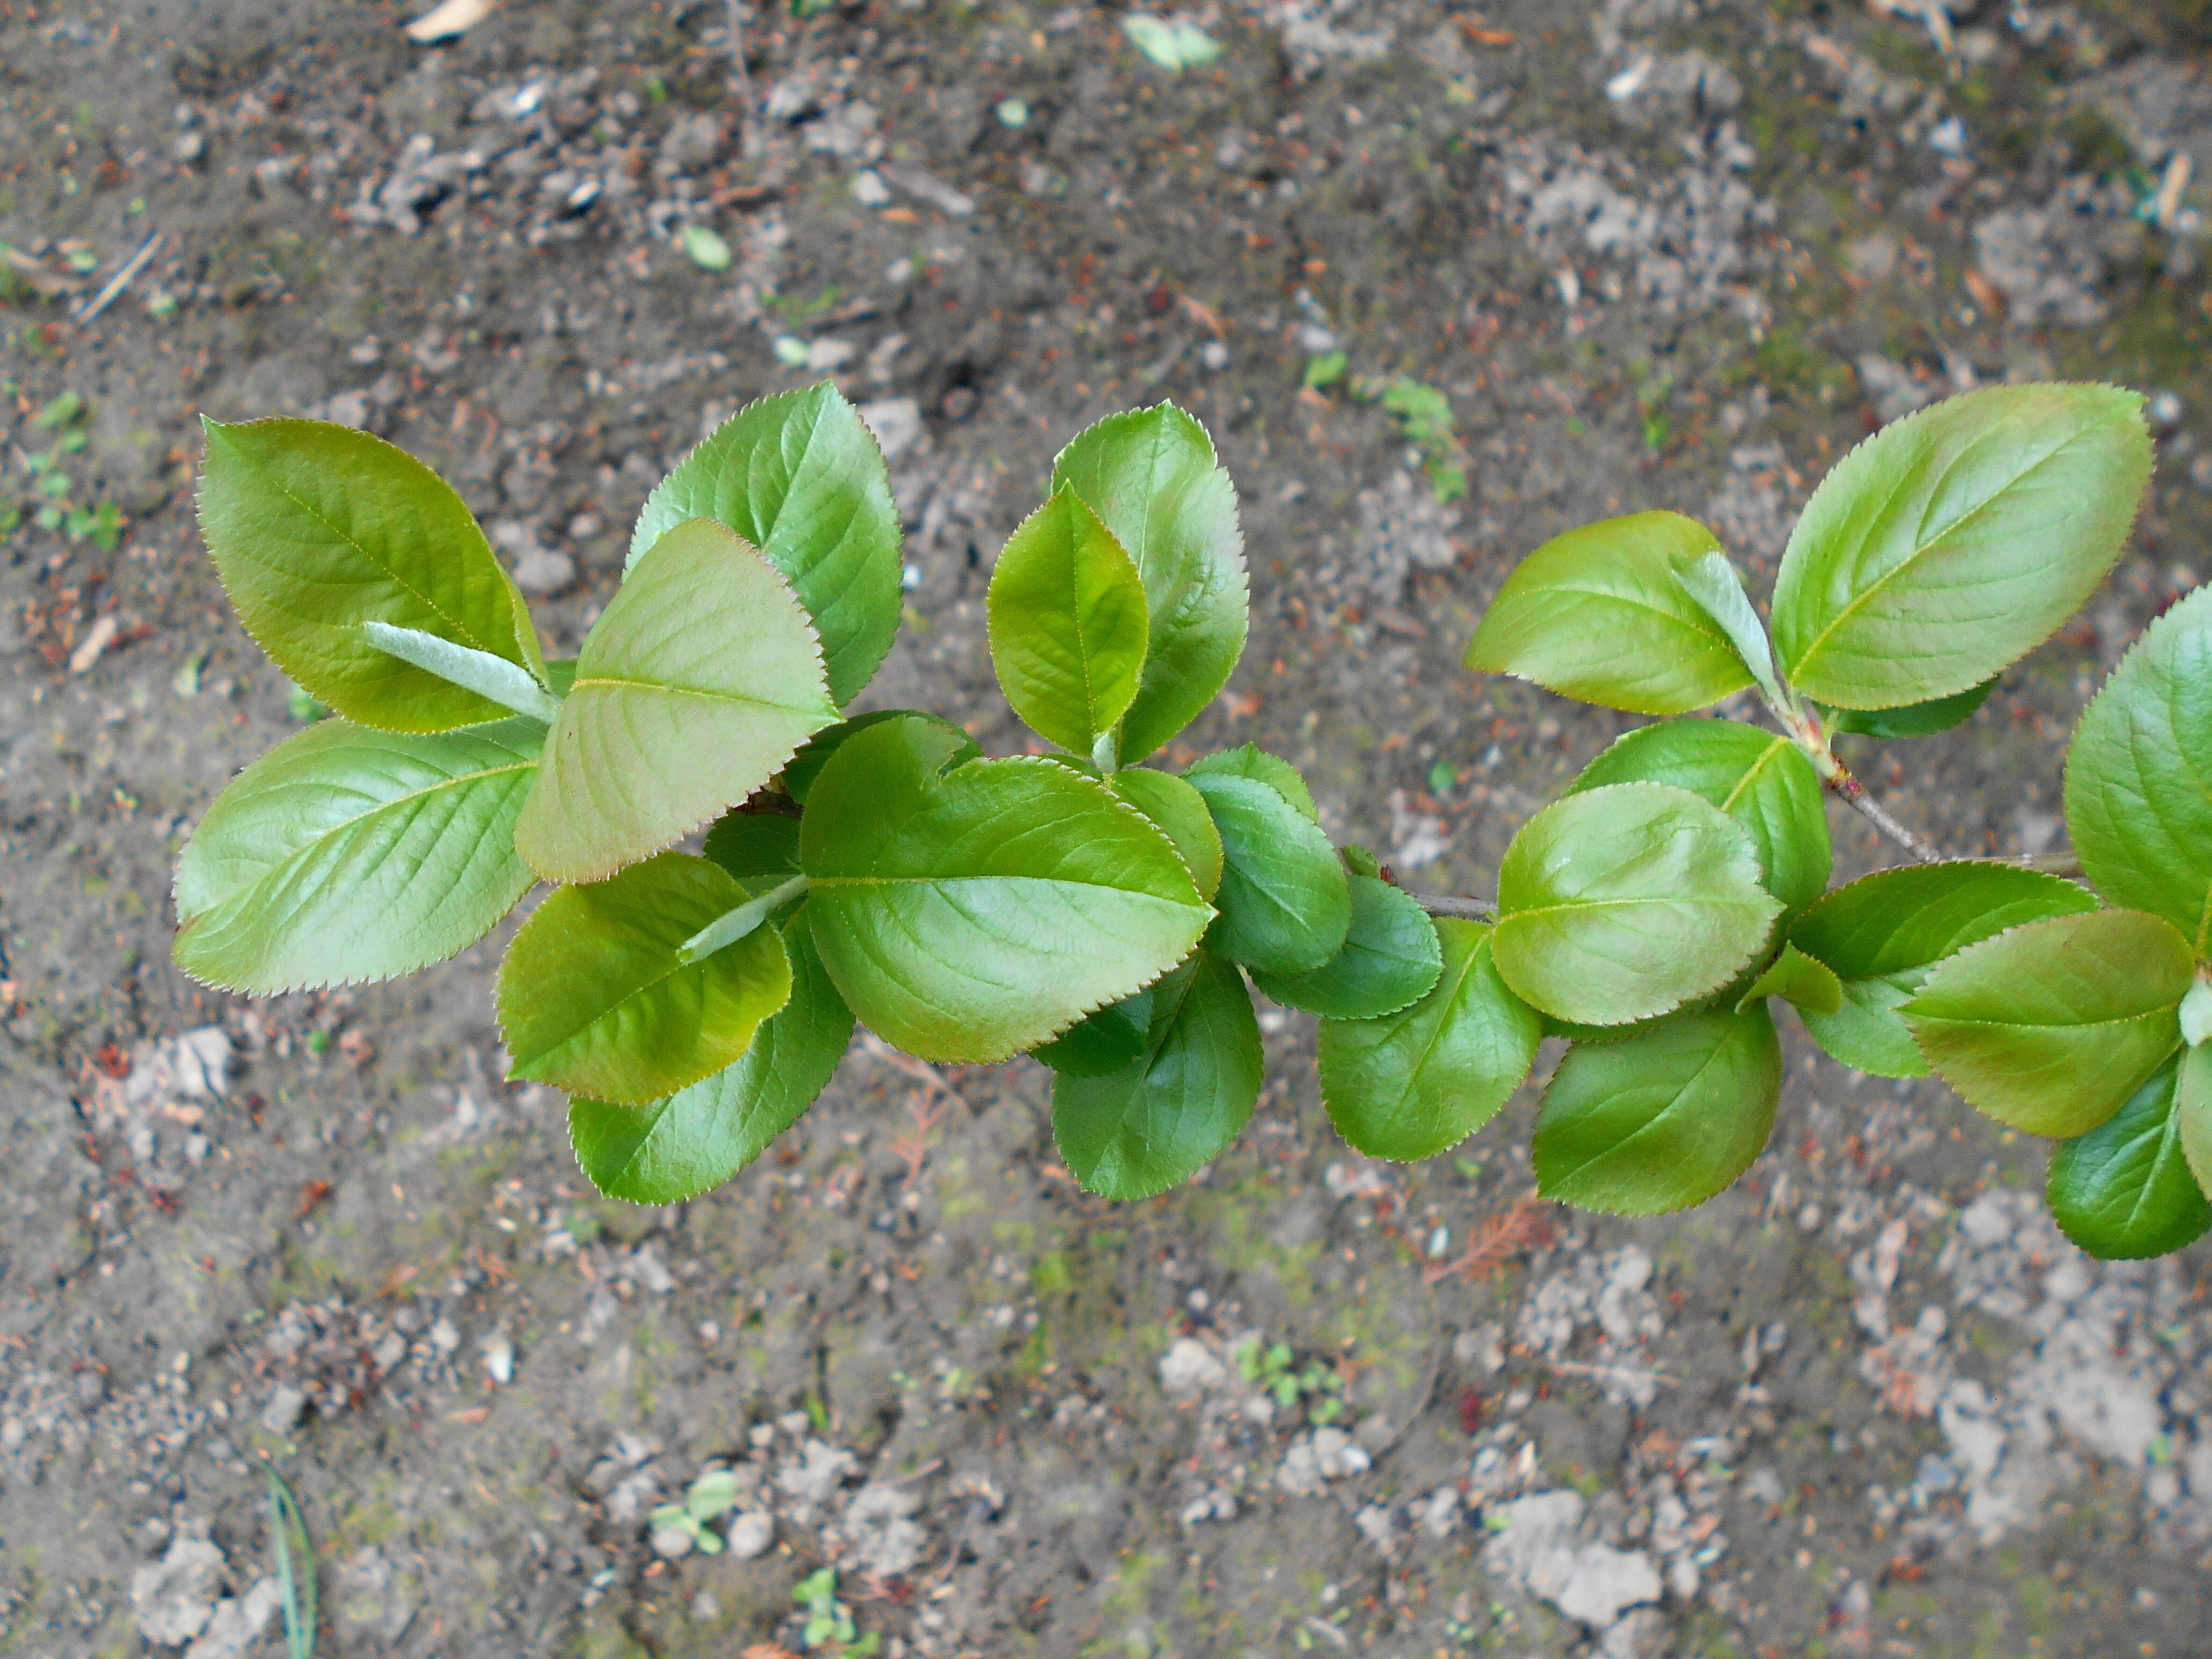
(507, 683)
(733, 924)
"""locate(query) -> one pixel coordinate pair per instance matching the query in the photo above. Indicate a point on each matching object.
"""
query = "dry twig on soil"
(1524, 1225)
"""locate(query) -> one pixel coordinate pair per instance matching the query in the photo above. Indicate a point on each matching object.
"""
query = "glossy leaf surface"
(1390, 958)
(803, 768)
(1662, 1120)
(2051, 1026)
(346, 854)
(1622, 902)
(1954, 542)
(1809, 986)
(974, 914)
(2139, 775)
(1599, 613)
(1180, 811)
(1068, 623)
(1151, 475)
(1285, 900)
(694, 1139)
(1139, 1131)
(593, 1000)
(1882, 933)
(2123, 1190)
(1250, 761)
(1760, 779)
(752, 845)
(1420, 1081)
(1916, 719)
(316, 528)
(693, 689)
(799, 476)
(1103, 1042)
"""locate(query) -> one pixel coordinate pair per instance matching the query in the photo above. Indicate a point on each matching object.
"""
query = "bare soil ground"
(1656, 253)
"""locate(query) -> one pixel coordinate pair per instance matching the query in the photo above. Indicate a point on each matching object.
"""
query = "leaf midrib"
(1751, 773)
(1812, 650)
(1756, 903)
(468, 635)
(617, 1006)
(616, 683)
(817, 883)
(1674, 1103)
(345, 825)
(1687, 624)
(1957, 1020)
(1437, 1035)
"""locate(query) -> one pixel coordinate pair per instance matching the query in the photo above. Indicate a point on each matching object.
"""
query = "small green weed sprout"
(707, 1499)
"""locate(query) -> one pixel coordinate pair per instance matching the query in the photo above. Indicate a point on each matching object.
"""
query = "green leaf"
(2192, 1105)
(698, 1138)
(1717, 586)
(316, 529)
(1951, 544)
(1809, 986)
(707, 250)
(972, 913)
(2139, 777)
(1760, 779)
(803, 768)
(1622, 902)
(1285, 900)
(1598, 614)
(593, 998)
(1420, 1081)
(751, 844)
(1068, 623)
(508, 685)
(1663, 1120)
(1151, 475)
(694, 688)
(2123, 1191)
(1178, 808)
(1389, 959)
(1915, 720)
(346, 854)
(1882, 933)
(2050, 1026)
(798, 475)
(1103, 1042)
(1249, 761)
(1139, 1131)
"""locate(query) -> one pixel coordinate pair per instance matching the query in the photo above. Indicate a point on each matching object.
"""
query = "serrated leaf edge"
(531, 659)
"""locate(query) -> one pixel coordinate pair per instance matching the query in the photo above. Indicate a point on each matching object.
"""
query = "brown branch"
(1854, 794)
